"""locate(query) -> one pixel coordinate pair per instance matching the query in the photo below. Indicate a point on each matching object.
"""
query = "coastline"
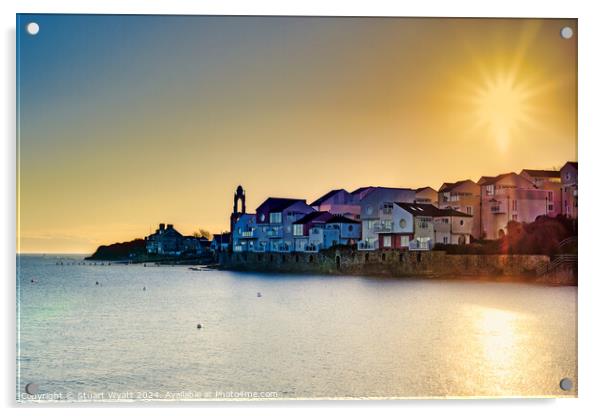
(393, 264)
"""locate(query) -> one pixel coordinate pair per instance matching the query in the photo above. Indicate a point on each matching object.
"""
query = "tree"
(203, 233)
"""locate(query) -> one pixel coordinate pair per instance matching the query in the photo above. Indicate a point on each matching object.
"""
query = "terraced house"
(509, 197)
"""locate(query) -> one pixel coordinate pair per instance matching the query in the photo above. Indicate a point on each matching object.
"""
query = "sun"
(502, 106)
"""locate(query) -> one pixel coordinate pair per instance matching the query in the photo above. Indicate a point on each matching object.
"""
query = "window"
(404, 241)
(387, 208)
(275, 217)
(514, 205)
(402, 223)
(262, 217)
(551, 207)
(350, 228)
(489, 189)
(550, 196)
(461, 222)
(445, 240)
(297, 229)
(387, 241)
(469, 210)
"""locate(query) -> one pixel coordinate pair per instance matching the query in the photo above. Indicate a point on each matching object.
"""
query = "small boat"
(258, 294)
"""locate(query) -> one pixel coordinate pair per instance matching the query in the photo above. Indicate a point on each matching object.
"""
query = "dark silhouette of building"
(239, 199)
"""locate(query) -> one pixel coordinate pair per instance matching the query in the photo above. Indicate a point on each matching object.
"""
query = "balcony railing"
(259, 249)
(367, 245)
(383, 228)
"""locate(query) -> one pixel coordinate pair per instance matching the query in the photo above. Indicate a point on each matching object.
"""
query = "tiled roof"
(448, 186)
(340, 219)
(536, 173)
(279, 204)
(490, 180)
(325, 197)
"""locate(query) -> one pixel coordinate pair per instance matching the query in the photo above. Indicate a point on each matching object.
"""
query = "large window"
(275, 217)
(298, 229)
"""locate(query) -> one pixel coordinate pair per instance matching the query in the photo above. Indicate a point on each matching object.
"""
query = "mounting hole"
(566, 384)
(32, 28)
(31, 388)
(566, 32)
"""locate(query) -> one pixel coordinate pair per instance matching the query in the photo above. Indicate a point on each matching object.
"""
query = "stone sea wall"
(390, 263)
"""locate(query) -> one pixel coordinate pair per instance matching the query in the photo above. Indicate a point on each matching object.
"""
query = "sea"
(100, 331)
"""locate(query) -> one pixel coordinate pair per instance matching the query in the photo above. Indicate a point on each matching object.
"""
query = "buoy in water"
(97, 283)
(144, 288)
(258, 294)
(199, 326)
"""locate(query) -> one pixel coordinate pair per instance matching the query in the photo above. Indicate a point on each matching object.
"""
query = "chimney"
(169, 226)
(161, 227)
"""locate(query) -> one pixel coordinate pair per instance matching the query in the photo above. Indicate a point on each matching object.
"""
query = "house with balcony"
(463, 196)
(243, 233)
(341, 230)
(376, 213)
(419, 226)
(274, 220)
(426, 195)
(307, 231)
(568, 180)
(452, 227)
(548, 180)
(509, 197)
(338, 202)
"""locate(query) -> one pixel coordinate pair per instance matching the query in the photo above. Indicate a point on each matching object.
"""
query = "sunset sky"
(128, 121)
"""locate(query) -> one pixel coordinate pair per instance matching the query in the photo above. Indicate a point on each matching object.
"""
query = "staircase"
(558, 261)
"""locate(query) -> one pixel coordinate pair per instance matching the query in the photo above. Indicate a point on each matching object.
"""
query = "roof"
(324, 197)
(360, 190)
(423, 189)
(537, 173)
(314, 216)
(573, 164)
(340, 219)
(448, 186)
(279, 204)
(490, 180)
(429, 210)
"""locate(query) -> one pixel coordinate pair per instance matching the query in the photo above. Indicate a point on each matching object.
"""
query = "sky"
(128, 121)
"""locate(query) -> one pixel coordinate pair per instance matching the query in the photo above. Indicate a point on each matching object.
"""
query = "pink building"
(548, 180)
(509, 197)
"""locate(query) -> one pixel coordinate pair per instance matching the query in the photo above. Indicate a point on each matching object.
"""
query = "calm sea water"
(306, 336)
